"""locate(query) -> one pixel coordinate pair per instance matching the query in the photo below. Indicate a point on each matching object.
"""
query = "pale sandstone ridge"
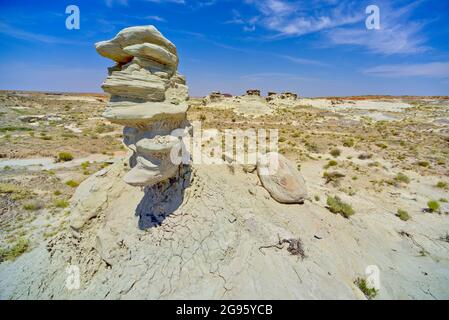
(148, 97)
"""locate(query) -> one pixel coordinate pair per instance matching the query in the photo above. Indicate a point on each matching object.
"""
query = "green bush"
(441, 185)
(333, 177)
(403, 215)
(433, 205)
(369, 293)
(336, 205)
(65, 156)
(425, 164)
(85, 165)
(335, 152)
(61, 203)
(20, 247)
(348, 143)
(33, 206)
(400, 177)
(72, 183)
(331, 163)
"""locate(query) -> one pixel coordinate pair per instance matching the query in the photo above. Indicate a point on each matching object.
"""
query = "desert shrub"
(335, 152)
(16, 192)
(20, 247)
(370, 293)
(102, 127)
(317, 198)
(312, 147)
(443, 200)
(331, 163)
(441, 185)
(382, 145)
(57, 193)
(400, 177)
(348, 143)
(424, 164)
(403, 215)
(65, 156)
(61, 203)
(72, 183)
(33, 205)
(333, 177)
(433, 206)
(6, 129)
(85, 164)
(203, 117)
(365, 156)
(337, 206)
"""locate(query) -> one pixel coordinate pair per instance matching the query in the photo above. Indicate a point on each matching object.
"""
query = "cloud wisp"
(431, 70)
(398, 34)
(17, 33)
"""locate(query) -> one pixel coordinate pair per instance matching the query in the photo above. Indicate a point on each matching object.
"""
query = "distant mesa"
(253, 92)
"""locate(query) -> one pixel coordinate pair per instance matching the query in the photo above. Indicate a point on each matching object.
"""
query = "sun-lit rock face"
(148, 97)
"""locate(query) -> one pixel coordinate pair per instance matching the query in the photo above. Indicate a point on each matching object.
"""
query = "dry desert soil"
(386, 158)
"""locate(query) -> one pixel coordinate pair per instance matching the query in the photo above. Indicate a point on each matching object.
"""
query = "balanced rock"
(281, 179)
(148, 97)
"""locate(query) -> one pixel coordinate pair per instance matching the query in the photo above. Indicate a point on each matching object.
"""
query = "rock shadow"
(162, 199)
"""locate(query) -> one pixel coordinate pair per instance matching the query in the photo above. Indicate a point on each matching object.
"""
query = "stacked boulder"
(148, 97)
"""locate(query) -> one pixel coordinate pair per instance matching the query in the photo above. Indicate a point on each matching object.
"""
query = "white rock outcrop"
(281, 179)
(148, 97)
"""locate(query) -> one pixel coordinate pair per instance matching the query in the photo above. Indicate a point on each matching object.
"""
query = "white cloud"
(432, 69)
(156, 18)
(397, 34)
(343, 23)
(302, 60)
(111, 3)
(17, 33)
(298, 18)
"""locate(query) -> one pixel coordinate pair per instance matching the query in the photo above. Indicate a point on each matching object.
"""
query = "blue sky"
(314, 48)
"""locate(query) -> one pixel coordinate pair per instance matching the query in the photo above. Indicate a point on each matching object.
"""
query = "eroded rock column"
(148, 97)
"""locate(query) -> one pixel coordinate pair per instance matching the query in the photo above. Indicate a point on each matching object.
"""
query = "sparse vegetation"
(337, 206)
(424, 164)
(13, 252)
(348, 143)
(6, 129)
(441, 185)
(72, 183)
(331, 163)
(370, 293)
(33, 205)
(61, 203)
(65, 156)
(433, 206)
(403, 215)
(402, 178)
(333, 177)
(335, 152)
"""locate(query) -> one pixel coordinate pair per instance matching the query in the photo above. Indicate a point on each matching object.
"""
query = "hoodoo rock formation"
(148, 97)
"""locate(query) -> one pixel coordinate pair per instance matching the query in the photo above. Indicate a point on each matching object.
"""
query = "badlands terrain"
(386, 159)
